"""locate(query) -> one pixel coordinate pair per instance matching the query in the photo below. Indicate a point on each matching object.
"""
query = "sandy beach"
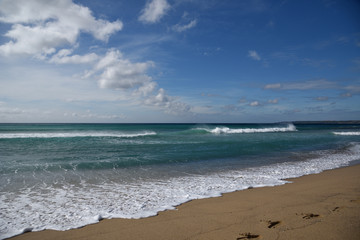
(319, 206)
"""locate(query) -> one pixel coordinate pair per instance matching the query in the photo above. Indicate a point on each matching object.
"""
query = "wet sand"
(319, 206)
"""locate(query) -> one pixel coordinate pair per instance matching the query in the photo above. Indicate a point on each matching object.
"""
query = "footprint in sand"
(273, 224)
(336, 209)
(248, 236)
(310, 215)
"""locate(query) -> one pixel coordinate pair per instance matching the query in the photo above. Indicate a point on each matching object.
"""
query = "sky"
(177, 61)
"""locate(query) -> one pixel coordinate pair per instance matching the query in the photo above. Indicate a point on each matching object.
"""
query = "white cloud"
(166, 102)
(254, 104)
(64, 57)
(159, 99)
(154, 11)
(89, 115)
(273, 86)
(181, 28)
(41, 26)
(306, 85)
(124, 75)
(120, 73)
(254, 55)
(315, 84)
(145, 89)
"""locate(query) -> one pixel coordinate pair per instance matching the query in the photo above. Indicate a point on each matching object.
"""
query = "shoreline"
(316, 206)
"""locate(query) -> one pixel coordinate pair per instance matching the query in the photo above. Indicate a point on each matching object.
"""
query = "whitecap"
(348, 133)
(76, 134)
(226, 130)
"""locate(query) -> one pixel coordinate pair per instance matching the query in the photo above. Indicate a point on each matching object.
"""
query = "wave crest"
(225, 130)
(75, 134)
(348, 133)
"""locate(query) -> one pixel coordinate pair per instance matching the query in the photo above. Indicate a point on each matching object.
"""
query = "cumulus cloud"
(154, 11)
(145, 89)
(121, 73)
(254, 55)
(41, 26)
(117, 72)
(162, 100)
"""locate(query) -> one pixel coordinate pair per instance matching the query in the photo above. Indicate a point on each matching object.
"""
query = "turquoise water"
(62, 176)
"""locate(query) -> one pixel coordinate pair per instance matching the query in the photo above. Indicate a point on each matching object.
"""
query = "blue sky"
(179, 60)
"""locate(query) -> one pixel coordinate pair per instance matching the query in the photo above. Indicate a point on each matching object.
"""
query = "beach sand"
(319, 206)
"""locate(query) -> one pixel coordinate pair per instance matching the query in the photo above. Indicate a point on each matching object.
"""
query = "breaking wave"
(347, 133)
(225, 130)
(76, 134)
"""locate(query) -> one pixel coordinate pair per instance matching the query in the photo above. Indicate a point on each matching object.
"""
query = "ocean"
(63, 176)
